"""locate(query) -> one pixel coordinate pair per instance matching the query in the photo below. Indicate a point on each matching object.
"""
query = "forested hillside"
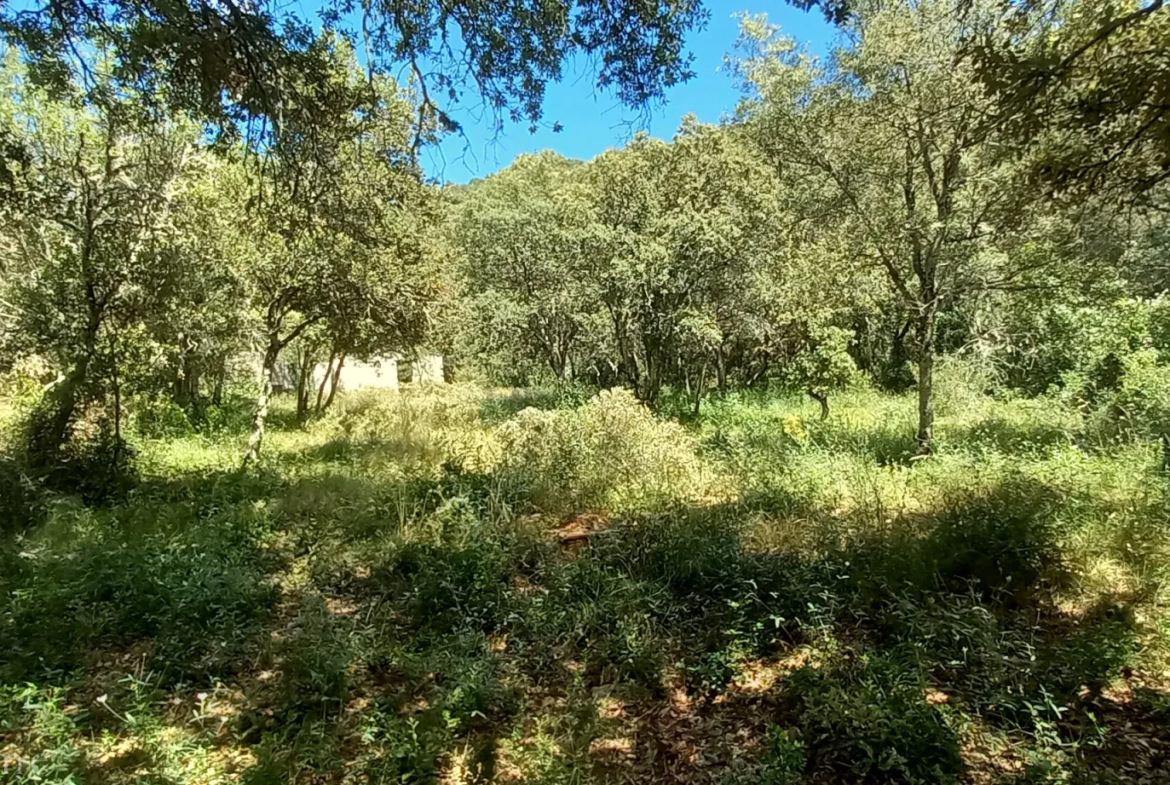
(829, 443)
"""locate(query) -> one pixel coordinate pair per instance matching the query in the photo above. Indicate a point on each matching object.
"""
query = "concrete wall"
(427, 369)
(356, 375)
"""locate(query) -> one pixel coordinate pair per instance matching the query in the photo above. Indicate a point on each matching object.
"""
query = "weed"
(761, 597)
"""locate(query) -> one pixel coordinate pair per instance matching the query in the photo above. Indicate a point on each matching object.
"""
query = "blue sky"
(593, 122)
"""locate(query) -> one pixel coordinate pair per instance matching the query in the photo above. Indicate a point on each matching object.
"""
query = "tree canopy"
(864, 215)
(241, 63)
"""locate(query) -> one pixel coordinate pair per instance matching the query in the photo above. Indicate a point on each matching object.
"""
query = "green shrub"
(998, 542)
(784, 760)
(611, 622)
(22, 498)
(872, 719)
(1141, 404)
(161, 418)
(821, 364)
(199, 595)
(94, 463)
(610, 453)
(499, 407)
(421, 430)
(1073, 341)
(314, 663)
(449, 589)
(230, 417)
(406, 749)
(49, 752)
(473, 696)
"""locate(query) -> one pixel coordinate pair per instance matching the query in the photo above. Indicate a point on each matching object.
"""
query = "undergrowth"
(471, 585)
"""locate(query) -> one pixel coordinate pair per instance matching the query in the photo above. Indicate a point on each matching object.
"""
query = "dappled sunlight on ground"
(786, 598)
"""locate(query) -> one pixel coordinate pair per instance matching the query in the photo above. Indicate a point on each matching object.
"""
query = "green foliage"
(21, 497)
(692, 576)
(785, 758)
(314, 665)
(371, 612)
(95, 462)
(1053, 71)
(611, 623)
(610, 453)
(877, 707)
(103, 580)
(519, 234)
(222, 65)
(821, 364)
(51, 755)
(161, 418)
(1140, 404)
(782, 762)
(451, 590)
(405, 748)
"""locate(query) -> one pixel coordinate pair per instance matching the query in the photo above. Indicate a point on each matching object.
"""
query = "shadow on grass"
(1011, 436)
(188, 584)
(414, 624)
(954, 612)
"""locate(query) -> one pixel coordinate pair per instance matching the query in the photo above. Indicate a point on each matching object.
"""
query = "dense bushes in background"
(609, 453)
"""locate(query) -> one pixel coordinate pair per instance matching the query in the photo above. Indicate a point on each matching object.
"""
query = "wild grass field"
(471, 585)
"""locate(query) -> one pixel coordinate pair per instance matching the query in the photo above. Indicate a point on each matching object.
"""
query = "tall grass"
(755, 596)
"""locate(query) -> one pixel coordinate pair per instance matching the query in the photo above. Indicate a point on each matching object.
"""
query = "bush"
(1059, 341)
(1141, 405)
(21, 498)
(611, 453)
(961, 387)
(404, 749)
(314, 672)
(233, 417)
(873, 720)
(421, 430)
(50, 752)
(449, 590)
(161, 418)
(608, 620)
(93, 463)
(999, 543)
(198, 595)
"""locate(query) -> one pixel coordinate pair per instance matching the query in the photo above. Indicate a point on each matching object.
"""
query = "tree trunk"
(336, 380)
(256, 439)
(721, 368)
(325, 378)
(304, 376)
(220, 381)
(700, 388)
(655, 360)
(628, 365)
(823, 400)
(186, 392)
(556, 362)
(925, 335)
(46, 440)
(117, 385)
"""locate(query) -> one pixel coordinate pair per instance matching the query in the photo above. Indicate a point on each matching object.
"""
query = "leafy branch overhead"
(245, 63)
